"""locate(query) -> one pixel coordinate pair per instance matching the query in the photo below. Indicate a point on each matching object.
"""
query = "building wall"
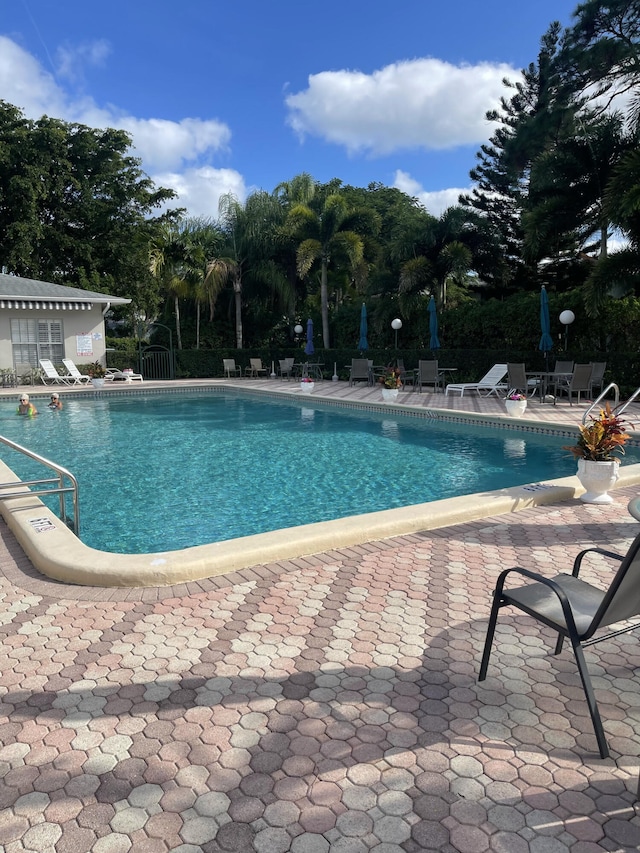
(80, 329)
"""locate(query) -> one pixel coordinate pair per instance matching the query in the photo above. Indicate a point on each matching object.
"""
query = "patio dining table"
(544, 378)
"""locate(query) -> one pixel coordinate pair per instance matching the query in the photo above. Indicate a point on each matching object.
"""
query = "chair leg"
(591, 699)
(488, 643)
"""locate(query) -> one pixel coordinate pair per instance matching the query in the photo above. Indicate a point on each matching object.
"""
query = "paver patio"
(325, 704)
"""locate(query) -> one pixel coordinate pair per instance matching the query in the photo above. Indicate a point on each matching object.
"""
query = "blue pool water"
(172, 471)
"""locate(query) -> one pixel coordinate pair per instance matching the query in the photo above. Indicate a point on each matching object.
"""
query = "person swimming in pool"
(25, 407)
(56, 402)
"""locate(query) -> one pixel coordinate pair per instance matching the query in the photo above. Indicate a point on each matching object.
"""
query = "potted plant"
(516, 404)
(391, 382)
(307, 385)
(597, 449)
(97, 373)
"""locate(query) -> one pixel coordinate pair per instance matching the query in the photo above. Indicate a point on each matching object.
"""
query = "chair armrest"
(577, 563)
(549, 582)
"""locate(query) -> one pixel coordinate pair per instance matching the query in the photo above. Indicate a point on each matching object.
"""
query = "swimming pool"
(162, 472)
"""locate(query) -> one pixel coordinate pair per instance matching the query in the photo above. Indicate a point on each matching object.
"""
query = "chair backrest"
(580, 378)
(71, 367)
(427, 370)
(229, 364)
(597, 371)
(49, 368)
(256, 363)
(517, 377)
(286, 365)
(563, 367)
(622, 600)
(495, 375)
(359, 368)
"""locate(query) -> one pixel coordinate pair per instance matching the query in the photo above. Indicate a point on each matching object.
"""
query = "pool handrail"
(60, 490)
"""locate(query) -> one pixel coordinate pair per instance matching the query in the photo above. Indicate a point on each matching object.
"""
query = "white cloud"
(422, 103)
(71, 61)
(434, 202)
(199, 190)
(160, 143)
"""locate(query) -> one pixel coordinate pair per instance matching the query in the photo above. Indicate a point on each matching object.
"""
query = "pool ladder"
(64, 483)
(617, 409)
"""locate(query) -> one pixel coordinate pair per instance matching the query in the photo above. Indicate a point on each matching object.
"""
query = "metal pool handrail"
(60, 490)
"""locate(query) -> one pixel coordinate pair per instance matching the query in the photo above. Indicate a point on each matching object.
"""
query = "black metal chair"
(360, 371)
(426, 374)
(578, 383)
(518, 380)
(576, 610)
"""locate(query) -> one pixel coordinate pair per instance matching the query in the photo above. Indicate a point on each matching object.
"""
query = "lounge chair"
(255, 368)
(491, 383)
(574, 609)
(50, 375)
(230, 369)
(113, 373)
(72, 370)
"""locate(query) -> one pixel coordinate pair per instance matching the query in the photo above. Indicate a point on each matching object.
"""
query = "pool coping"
(57, 553)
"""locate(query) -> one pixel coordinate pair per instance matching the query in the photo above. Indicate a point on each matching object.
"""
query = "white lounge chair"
(50, 375)
(491, 383)
(113, 373)
(78, 378)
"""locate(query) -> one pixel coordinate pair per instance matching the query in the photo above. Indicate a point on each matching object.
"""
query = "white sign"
(41, 525)
(84, 345)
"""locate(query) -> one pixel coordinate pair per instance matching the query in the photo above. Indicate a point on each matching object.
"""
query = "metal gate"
(157, 362)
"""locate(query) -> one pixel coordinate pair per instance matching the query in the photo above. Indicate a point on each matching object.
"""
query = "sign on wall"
(84, 345)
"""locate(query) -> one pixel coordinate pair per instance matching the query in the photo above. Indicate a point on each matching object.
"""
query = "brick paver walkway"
(327, 704)
(324, 704)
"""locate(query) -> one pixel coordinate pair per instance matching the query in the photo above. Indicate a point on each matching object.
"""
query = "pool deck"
(325, 704)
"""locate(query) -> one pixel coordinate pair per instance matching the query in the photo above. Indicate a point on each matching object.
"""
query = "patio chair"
(78, 378)
(230, 369)
(285, 367)
(255, 368)
(518, 381)
(50, 375)
(491, 383)
(578, 383)
(597, 377)
(574, 609)
(426, 374)
(360, 371)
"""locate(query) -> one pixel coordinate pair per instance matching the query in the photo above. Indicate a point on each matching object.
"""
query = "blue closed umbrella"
(434, 342)
(546, 341)
(363, 343)
(309, 350)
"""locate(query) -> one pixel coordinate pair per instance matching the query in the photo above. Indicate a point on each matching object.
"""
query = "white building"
(43, 320)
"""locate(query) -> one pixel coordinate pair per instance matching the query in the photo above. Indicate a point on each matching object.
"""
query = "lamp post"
(298, 329)
(566, 318)
(395, 325)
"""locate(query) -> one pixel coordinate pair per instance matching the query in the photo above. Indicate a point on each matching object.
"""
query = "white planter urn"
(98, 382)
(597, 478)
(307, 387)
(389, 395)
(516, 408)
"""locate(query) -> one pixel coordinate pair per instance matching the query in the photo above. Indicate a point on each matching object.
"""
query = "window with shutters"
(36, 339)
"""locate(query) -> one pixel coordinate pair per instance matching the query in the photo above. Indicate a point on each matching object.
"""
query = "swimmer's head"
(24, 398)
(55, 396)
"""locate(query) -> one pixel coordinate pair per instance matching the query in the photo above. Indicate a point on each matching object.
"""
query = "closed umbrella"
(546, 341)
(363, 343)
(434, 342)
(309, 350)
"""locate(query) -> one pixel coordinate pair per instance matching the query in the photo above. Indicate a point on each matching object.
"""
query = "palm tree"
(327, 230)
(166, 263)
(251, 237)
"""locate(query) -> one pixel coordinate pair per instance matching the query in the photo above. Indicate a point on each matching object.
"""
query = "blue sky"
(232, 97)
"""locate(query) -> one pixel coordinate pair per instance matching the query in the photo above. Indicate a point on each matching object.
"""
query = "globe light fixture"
(395, 325)
(566, 318)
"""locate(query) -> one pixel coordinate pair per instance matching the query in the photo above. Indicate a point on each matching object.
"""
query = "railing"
(635, 394)
(603, 394)
(61, 489)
